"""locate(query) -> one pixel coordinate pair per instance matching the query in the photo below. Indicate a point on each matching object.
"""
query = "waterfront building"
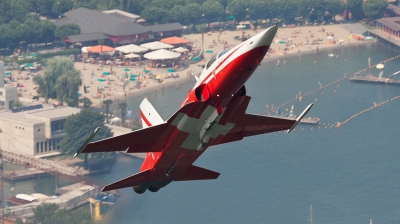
(115, 27)
(34, 132)
(390, 26)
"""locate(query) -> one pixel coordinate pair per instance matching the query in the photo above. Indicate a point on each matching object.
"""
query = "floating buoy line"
(338, 124)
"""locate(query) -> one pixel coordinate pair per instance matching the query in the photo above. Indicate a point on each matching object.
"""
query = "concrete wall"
(17, 136)
(9, 95)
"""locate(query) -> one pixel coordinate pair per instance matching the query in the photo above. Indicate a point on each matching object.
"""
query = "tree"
(355, 7)
(106, 104)
(123, 107)
(176, 14)
(335, 7)
(42, 6)
(62, 6)
(238, 8)
(78, 128)
(374, 9)
(85, 3)
(49, 213)
(86, 102)
(53, 88)
(154, 14)
(192, 13)
(212, 11)
(67, 29)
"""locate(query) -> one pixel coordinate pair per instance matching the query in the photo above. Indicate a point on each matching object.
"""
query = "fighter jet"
(213, 113)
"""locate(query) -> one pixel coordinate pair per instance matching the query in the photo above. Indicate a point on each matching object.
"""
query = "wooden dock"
(24, 174)
(375, 79)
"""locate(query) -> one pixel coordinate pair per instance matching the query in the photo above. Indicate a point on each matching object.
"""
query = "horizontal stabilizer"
(137, 141)
(131, 181)
(197, 173)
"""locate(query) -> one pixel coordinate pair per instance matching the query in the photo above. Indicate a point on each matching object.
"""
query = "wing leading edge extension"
(150, 139)
(246, 125)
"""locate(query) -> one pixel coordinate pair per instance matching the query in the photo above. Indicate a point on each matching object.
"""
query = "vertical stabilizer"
(149, 115)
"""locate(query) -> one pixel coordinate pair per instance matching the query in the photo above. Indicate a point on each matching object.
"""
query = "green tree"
(67, 87)
(106, 104)
(374, 9)
(49, 84)
(78, 128)
(62, 6)
(212, 11)
(67, 29)
(86, 102)
(48, 213)
(335, 7)
(122, 106)
(19, 9)
(355, 7)
(176, 14)
(85, 3)
(238, 8)
(192, 14)
(42, 6)
(154, 14)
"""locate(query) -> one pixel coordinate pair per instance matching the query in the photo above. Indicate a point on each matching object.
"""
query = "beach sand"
(114, 91)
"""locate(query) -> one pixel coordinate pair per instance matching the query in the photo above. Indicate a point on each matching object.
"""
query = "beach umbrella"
(180, 49)
(241, 26)
(126, 69)
(158, 77)
(106, 73)
(162, 54)
(380, 66)
(209, 51)
(101, 80)
(330, 37)
(171, 70)
(156, 45)
(231, 17)
(131, 48)
(8, 73)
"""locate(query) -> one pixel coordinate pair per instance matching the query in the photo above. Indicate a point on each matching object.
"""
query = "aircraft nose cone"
(265, 37)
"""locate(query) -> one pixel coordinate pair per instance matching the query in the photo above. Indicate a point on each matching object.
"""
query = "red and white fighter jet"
(213, 113)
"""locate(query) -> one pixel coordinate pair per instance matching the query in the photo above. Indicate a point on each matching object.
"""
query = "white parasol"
(380, 66)
(162, 54)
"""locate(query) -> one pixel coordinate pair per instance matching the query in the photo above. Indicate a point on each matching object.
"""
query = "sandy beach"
(288, 42)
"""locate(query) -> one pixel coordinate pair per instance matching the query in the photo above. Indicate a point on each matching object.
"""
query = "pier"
(375, 79)
(24, 174)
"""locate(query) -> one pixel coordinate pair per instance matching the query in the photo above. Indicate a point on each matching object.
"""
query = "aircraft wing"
(245, 125)
(150, 139)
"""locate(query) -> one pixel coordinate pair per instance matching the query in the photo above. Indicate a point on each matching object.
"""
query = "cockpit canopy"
(215, 57)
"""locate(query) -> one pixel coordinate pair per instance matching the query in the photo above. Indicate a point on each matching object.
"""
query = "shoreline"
(113, 90)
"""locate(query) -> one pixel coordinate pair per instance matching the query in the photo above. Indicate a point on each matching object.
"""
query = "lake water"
(350, 174)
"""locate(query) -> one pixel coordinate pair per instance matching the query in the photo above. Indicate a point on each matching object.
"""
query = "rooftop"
(394, 9)
(122, 14)
(393, 23)
(56, 112)
(94, 21)
(86, 37)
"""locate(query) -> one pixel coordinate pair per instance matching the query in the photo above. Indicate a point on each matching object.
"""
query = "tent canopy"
(156, 45)
(132, 55)
(131, 48)
(174, 40)
(180, 49)
(162, 54)
(100, 48)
